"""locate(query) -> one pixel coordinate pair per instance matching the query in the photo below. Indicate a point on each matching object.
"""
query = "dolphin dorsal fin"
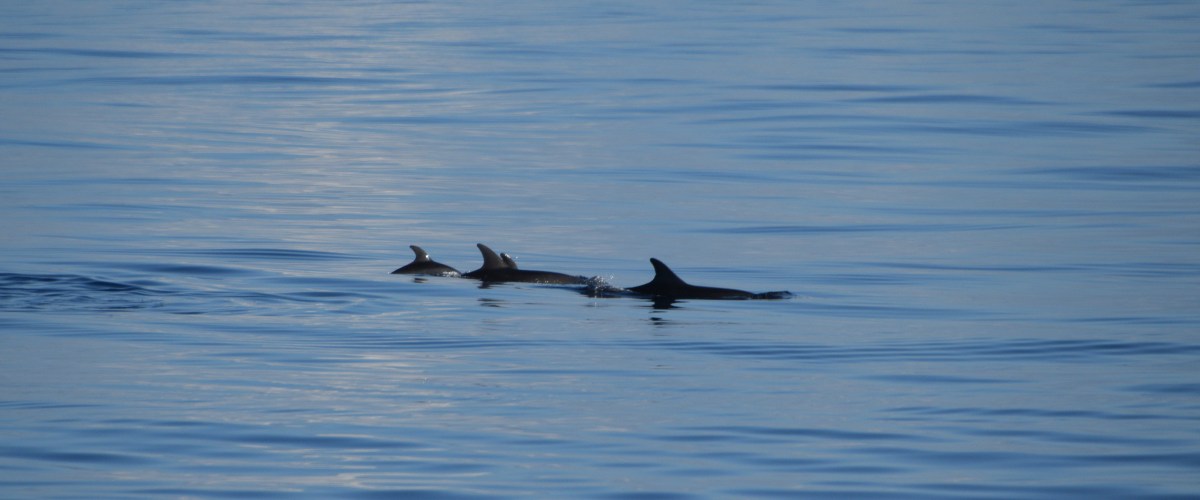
(491, 261)
(663, 275)
(508, 261)
(422, 255)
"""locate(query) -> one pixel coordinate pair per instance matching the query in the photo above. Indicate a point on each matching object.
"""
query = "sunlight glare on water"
(986, 213)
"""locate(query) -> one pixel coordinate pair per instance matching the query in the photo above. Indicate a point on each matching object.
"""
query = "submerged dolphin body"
(667, 285)
(422, 264)
(498, 269)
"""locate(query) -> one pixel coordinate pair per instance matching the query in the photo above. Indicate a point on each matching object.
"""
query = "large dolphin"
(422, 264)
(497, 269)
(667, 285)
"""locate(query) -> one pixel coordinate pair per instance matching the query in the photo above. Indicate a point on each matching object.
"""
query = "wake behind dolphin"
(665, 287)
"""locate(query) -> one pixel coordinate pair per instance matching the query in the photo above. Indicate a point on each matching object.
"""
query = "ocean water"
(988, 214)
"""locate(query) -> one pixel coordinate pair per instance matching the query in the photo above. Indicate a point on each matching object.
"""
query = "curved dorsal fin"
(508, 261)
(663, 275)
(491, 261)
(422, 255)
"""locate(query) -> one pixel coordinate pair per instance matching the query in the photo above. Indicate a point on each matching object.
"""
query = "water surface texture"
(988, 214)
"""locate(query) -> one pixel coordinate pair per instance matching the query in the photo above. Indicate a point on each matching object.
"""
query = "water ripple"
(104, 53)
(272, 254)
(1032, 414)
(863, 228)
(960, 351)
(233, 79)
(1122, 173)
(31, 292)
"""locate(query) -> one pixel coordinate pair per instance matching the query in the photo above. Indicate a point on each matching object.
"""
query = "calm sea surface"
(988, 212)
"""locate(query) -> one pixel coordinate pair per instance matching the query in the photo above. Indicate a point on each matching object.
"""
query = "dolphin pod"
(499, 268)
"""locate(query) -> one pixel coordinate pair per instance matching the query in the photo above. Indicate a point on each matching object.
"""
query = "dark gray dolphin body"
(498, 269)
(422, 264)
(667, 285)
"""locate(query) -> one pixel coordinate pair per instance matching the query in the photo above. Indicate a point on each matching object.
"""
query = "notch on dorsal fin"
(422, 255)
(508, 261)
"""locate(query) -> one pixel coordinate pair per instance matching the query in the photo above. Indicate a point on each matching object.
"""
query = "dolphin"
(497, 269)
(667, 285)
(422, 264)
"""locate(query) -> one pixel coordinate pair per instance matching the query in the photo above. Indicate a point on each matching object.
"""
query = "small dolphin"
(422, 264)
(497, 269)
(667, 285)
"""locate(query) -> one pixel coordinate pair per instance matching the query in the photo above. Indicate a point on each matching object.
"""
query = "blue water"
(988, 214)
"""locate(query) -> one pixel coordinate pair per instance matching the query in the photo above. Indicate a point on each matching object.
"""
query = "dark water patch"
(198, 492)
(71, 457)
(967, 459)
(434, 343)
(240, 80)
(893, 312)
(1064, 437)
(987, 459)
(873, 30)
(273, 254)
(100, 53)
(647, 495)
(27, 35)
(1007, 491)
(1123, 269)
(837, 491)
(869, 279)
(1017, 213)
(416, 494)
(1025, 129)
(212, 34)
(22, 292)
(940, 414)
(690, 176)
(1187, 319)
(936, 379)
(948, 99)
(1023, 350)
(67, 292)
(473, 118)
(814, 118)
(64, 144)
(787, 145)
(1184, 114)
(43, 405)
(1179, 389)
(1184, 460)
(863, 228)
(332, 442)
(832, 87)
(182, 269)
(798, 433)
(1120, 174)
(1193, 84)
